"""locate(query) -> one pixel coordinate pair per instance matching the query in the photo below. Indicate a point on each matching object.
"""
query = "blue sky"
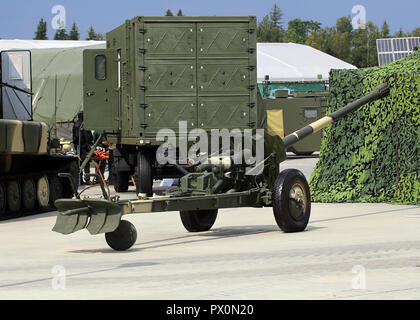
(19, 18)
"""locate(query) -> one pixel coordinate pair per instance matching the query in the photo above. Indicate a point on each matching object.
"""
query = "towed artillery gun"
(212, 185)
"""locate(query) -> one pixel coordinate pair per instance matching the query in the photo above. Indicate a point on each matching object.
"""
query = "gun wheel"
(198, 220)
(123, 238)
(291, 201)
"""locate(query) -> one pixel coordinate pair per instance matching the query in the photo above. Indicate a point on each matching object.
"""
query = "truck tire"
(198, 220)
(121, 181)
(144, 177)
(291, 201)
(123, 238)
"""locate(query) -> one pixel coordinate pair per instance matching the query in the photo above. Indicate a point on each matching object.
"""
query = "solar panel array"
(395, 48)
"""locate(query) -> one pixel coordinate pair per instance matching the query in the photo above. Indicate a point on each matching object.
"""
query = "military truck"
(30, 156)
(293, 106)
(158, 71)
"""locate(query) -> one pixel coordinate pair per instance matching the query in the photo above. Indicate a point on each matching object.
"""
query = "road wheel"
(198, 220)
(2, 200)
(14, 197)
(121, 181)
(123, 238)
(144, 178)
(56, 189)
(291, 201)
(43, 191)
(28, 194)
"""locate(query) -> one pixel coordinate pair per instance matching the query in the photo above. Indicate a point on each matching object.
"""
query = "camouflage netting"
(372, 155)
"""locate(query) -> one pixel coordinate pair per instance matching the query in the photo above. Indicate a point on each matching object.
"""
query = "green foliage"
(270, 28)
(373, 154)
(61, 34)
(74, 33)
(298, 30)
(169, 13)
(92, 35)
(180, 14)
(41, 31)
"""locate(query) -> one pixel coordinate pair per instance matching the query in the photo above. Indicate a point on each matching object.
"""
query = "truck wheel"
(198, 220)
(14, 198)
(144, 178)
(2, 200)
(121, 181)
(123, 238)
(291, 201)
(28, 194)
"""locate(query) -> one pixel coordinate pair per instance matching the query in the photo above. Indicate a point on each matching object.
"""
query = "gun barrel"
(379, 92)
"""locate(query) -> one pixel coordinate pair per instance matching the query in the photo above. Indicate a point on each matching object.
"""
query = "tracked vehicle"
(30, 156)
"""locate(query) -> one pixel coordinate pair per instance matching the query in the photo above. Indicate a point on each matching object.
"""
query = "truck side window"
(100, 67)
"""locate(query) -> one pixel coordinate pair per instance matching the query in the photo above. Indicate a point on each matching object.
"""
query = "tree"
(169, 13)
(41, 31)
(415, 33)
(344, 25)
(276, 15)
(180, 13)
(399, 34)
(61, 34)
(267, 31)
(298, 30)
(92, 35)
(364, 52)
(385, 30)
(74, 33)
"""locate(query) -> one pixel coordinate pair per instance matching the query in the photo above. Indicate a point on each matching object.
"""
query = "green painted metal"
(299, 111)
(196, 69)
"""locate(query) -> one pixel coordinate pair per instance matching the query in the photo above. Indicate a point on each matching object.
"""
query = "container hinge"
(251, 88)
(142, 31)
(251, 30)
(142, 51)
(143, 88)
(252, 105)
(144, 105)
(141, 68)
(251, 68)
(144, 125)
(251, 50)
(251, 124)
